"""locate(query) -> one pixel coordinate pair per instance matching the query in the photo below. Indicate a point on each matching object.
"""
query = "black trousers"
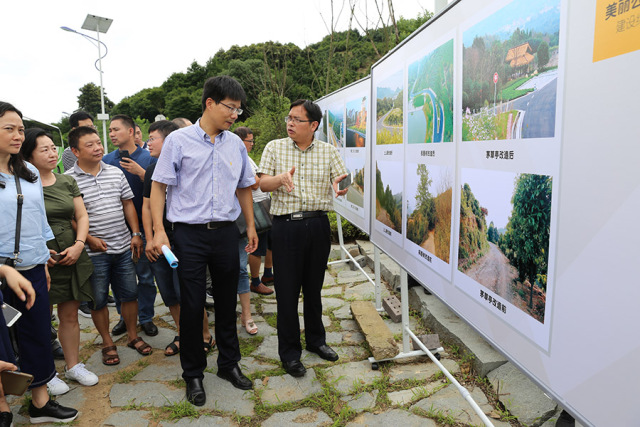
(300, 253)
(197, 248)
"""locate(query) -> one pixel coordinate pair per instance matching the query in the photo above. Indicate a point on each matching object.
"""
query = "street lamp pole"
(99, 25)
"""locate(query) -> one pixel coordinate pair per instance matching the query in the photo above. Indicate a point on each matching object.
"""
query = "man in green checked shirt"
(303, 174)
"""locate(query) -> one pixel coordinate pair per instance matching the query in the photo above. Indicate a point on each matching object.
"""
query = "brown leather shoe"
(261, 289)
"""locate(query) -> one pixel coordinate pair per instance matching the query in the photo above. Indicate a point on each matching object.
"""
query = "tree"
(424, 199)
(543, 54)
(527, 235)
(89, 100)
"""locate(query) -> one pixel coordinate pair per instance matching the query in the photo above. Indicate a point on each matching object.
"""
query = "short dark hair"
(165, 127)
(314, 112)
(16, 161)
(30, 141)
(74, 119)
(126, 120)
(79, 132)
(243, 132)
(221, 87)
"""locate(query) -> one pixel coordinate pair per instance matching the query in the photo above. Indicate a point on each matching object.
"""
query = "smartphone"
(124, 154)
(57, 257)
(345, 182)
(14, 382)
(10, 314)
(134, 257)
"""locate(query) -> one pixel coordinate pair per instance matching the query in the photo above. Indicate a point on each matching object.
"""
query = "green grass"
(249, 345)
(182, 409)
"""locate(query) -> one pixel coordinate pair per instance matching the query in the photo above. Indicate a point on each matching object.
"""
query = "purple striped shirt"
(202, 177)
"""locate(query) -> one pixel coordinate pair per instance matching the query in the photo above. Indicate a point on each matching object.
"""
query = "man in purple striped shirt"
(205, 171)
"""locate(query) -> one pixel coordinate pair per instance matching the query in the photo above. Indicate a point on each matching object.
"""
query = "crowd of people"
(101, 225)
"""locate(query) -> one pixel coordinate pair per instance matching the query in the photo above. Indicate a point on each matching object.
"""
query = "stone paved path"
(149, 391)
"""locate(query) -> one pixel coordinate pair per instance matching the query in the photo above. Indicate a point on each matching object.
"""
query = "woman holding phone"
(33, 329)
(70, 266)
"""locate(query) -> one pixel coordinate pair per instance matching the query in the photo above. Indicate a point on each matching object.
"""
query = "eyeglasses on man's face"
(296, 120)
(238, 111)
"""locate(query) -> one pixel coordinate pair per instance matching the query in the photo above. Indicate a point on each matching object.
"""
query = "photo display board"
(505, 177)
(344, 125)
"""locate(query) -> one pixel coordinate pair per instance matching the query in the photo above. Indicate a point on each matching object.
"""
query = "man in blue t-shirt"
(133, 161)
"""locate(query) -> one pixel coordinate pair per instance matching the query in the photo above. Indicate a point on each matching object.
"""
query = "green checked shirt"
(316, 169)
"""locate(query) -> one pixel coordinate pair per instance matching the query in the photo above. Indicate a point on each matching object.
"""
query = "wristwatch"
(136, 234)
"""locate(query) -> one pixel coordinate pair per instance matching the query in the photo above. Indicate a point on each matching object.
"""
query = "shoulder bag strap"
(20, 196)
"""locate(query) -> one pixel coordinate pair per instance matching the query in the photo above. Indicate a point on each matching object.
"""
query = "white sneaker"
(56, 386)
(81, 374)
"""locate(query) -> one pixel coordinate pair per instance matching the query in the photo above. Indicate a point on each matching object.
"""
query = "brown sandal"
(142, 349)
(110, 359)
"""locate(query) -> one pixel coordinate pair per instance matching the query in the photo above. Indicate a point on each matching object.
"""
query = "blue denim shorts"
(117, 269)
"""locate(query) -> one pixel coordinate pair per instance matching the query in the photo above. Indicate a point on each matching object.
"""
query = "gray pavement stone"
(343, 313)
(348, 277)
(268, 348)
(363, 291)
(75, 397)
(269, 308)
(361, 401)
(396, 328)
(352, 338)
(328, 303)
(249, 365)
(403, 397)
(394, 417)
(326, 321)
(454, 330)
(450, 402)
(421, 371)
(349, 325)
(145, 393)
(161, 309)
(347, 375)
(128, 419)
(302, 416)
(285, 388)
(223, 396)
(127, 358)
(329, 280)
(203, 421)
(334, 338)
(160, 341)
(166, 370)
(521, 396)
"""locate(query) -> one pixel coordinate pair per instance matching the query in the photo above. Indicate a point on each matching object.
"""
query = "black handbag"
(261, 218)
(16, 251)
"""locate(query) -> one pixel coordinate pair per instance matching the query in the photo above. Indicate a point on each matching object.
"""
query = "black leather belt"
(213, 225)
(296, 216)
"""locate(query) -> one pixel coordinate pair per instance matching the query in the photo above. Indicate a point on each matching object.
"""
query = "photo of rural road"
(335, 125)
(510, 73)
(355, 164)
(504, 235)
(429, 206)
(430, 97)
(389, 110)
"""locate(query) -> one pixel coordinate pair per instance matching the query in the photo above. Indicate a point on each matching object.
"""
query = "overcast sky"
(42, 67)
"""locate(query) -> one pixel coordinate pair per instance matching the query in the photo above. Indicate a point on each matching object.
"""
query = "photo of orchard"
(510, 73)
(389, 114)
(510, 254)
(429, 208)
(430, 97)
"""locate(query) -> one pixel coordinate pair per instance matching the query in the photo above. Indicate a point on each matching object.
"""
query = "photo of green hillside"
(510, 73)
(510, 254)
(430, 97)
(335, 116)
(389, 110)
(355, 164)
(389, 194)
(428, 191)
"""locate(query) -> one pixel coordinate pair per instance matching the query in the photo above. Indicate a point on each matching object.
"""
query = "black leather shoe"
(295, 368)
(56, 350)
(149, 328)
(325, 352)
(120, 328)
(195, 392)
(236, 377)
